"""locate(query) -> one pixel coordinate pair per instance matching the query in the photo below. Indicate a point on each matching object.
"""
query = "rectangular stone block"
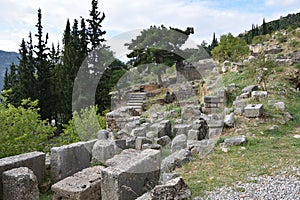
(83, 185)
(253, 110)
(69, 159)
(182, 129)
(212, 99)
(20, 184)
(131, 180)
(34, 161)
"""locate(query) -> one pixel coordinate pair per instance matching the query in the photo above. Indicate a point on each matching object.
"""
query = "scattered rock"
(259, 94)
(297, 136)
(229, 120)
(250, 88)
(253, 110)
(173, 189)
(163, 141)
(179, 142)
(237, 140)
(175, 160)
(280, 105)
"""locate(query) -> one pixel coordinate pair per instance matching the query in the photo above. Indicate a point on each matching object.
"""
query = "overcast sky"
(18, 17)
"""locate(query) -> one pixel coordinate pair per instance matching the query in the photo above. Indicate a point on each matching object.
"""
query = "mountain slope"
(6, 58)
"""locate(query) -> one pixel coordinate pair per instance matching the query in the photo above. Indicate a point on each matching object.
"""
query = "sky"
(18, 18)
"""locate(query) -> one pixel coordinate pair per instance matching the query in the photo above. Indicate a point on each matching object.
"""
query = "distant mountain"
(6, 58)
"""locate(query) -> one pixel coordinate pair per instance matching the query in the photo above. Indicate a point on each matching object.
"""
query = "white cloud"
(282, 3)
(20, 17)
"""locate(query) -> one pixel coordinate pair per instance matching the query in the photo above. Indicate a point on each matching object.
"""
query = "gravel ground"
(284, 185)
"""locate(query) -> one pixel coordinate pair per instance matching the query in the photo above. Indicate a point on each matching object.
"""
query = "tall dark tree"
(83, 38)
(43, 70)
(264, 27)
(95, 31)
(26, 72)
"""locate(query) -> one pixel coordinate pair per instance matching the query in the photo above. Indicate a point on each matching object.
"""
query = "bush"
(83, 126)
(22, 130)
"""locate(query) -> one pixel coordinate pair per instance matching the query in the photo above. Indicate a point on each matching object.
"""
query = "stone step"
(135, 101)
(135, 104)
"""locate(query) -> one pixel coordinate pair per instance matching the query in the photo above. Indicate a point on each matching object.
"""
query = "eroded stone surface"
(20, 184)
(130, 174)
(84, 185)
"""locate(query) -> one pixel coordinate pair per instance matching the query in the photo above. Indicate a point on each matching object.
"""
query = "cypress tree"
(95, 32)
(264, 27)
(43, 71)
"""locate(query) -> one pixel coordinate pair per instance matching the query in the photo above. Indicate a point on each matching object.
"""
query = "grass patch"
(263, 155)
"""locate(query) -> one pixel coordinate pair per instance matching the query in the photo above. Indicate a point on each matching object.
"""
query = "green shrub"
(83, 126)
(22, 130)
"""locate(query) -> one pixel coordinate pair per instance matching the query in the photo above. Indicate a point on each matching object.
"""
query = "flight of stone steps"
(136, 100)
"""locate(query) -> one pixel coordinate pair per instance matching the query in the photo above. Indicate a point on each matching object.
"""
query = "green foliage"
(230, 48)
(83, 126)
(22, 129)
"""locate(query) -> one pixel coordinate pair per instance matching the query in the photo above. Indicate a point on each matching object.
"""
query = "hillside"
(272, 148)
(6, 58)
(291, 21)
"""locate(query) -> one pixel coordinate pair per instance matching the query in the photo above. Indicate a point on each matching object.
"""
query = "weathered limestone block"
(253, 110)
(130, 174)
(69, 159)
(259, 94)
(20, 184)
(163, 141)
(280, 106)
(202, 148)
(103, 150)
(229, 120)
(164, 128)
(237, 140)
(139, 132)
(83, 185)
(181, 129)
(179, 142)
(250, 88)
(175, 160)
(103, 134)
(173, 189)
(140, 141)
(193, 135)
(34, 161)
(190, 112)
